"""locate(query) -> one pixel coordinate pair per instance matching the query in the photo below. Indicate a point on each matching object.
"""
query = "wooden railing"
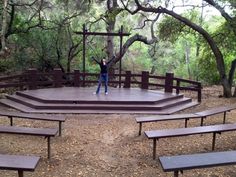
(32, 79)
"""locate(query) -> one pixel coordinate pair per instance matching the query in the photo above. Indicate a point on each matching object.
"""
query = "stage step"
(38, 105)
(166, 97)
(82, 100)
(27, 109)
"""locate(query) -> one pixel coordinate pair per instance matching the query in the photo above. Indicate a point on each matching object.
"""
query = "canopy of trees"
(192, 39)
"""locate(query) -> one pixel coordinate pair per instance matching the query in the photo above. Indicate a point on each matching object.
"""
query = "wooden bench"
(56, 118)
(46, 132)
(18, 163)
(186, 117)
(217, 110)
(158, 134)
(203, 160)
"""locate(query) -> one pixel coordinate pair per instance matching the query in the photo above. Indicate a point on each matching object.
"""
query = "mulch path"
(102, 145)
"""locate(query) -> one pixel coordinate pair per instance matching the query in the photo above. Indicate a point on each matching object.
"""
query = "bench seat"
(18, 163)
(43, 117)
(46, 132)
(186, 117)
(157, 134)
(214, 111)
(192, 161)
(157, 118)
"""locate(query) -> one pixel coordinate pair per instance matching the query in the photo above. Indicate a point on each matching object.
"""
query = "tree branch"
(131, 40)
(220, 9)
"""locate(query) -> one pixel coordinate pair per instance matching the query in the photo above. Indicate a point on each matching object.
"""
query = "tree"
(4, 28)
(215, 49)
(231, 20)
(113, 11)
(27, 17)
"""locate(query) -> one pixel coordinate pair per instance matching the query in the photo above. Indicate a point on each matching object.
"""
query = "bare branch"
(220, 9)
(131, 40)
(144, 22)
(127, 9)
(23, 4)
(152, 26)
(193, 6)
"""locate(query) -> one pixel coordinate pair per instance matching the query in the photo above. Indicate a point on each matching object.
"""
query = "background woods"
(192, 39)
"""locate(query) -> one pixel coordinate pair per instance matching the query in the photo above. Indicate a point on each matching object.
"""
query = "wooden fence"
(33, 79)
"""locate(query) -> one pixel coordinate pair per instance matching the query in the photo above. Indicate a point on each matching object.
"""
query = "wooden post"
(84, 53)
(127, 79)
(32, 78)
(121, 41)
(199, 97)
(145, 80)
(77, 78)
(169, 82)
(20, 173)
(21, 80)
(178, 85)
(57, 75)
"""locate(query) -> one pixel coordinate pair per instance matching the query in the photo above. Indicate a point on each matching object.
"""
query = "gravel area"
(106, 145)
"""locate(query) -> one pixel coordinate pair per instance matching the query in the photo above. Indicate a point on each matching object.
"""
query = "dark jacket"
(104, 68)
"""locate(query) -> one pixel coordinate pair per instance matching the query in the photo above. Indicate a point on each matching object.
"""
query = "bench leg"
(176, 173)
(60, 128)
(154, 148)
(186, 122)
(202, 119)
(140, 128)
(11, 120)
(213, 141)
(224, 118)
(20, 173)
(49, 147)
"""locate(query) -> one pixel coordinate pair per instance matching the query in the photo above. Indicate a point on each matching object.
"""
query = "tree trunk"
(4, 27)
(231, 75)
(231, 72)
(226, 88)
(112, 7)
(110, 40)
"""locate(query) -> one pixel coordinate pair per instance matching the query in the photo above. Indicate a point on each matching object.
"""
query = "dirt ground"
(100, 145)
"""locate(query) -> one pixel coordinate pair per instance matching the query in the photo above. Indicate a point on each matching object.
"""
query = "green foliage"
(166, 59)
(36, 49)
(137, 59)
(202, 65)
(5, 66)
(170, 29)
(48, 41)
(207, 71)
(226, 40)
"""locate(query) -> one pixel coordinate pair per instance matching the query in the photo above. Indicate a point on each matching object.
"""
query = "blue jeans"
(103, 77)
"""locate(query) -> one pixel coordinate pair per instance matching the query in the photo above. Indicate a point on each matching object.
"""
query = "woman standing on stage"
(103, 73)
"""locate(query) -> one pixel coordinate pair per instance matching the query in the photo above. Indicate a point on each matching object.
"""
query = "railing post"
(32, 77)
(199, 97)
(177, 86)
(169, 82)
(22, 80)
(127, 79)
(76, 78)
(145, 80)
(57, 75)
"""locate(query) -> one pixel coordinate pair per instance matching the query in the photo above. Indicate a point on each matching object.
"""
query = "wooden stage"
(82, 100)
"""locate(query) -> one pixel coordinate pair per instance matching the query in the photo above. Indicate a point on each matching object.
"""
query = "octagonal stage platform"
(82, 100)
